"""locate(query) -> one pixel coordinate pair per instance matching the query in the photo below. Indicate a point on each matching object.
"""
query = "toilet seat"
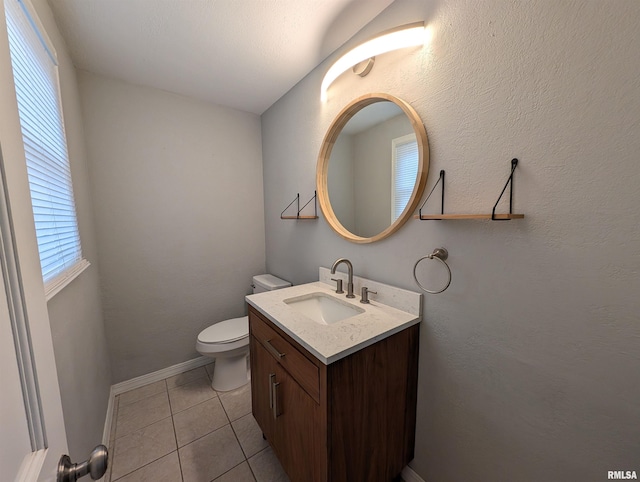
(227, 331)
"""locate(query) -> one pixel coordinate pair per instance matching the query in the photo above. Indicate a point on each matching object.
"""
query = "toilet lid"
(226, 331)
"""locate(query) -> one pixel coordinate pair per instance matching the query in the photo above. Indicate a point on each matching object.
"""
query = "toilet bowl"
(228, 342)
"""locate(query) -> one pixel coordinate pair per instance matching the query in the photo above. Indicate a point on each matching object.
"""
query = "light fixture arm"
(410, 35)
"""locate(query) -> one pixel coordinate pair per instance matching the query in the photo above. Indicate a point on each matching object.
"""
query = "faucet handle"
(338, 285)
(365, 295)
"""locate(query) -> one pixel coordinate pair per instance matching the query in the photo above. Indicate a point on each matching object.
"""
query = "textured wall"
(529, 362)
(177, 186)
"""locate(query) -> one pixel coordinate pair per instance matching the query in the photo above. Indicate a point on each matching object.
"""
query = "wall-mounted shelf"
(299, 209)
(496, 217)
(492, 216)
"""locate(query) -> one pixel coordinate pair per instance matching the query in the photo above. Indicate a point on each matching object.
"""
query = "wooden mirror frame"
(325, 154)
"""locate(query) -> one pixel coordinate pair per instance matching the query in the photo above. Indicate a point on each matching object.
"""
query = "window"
(35, 72)
(404, 173)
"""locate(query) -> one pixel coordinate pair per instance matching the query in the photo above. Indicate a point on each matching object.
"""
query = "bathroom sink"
(323, 308)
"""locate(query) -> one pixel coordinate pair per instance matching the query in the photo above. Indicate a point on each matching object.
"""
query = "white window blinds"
(37, 91)
(404, 174)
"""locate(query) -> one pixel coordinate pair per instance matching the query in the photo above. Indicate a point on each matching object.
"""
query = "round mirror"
(372, 168)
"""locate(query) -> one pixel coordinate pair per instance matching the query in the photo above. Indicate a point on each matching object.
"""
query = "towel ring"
(441, 255)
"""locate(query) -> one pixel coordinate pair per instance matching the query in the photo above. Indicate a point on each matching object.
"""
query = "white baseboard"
(108, 419)
(106, 434)
(408, 475)
(143, 380)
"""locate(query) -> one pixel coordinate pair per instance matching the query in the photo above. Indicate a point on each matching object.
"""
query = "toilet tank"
(268, 282)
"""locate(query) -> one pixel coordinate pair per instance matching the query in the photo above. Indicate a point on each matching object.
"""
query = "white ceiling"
(243, 54)
(371, 115)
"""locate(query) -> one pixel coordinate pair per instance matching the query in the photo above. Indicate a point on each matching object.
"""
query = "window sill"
(56, 285)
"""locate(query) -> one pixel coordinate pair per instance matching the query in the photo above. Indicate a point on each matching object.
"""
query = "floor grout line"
(205, 435)
(141, 428)
(148, 396)
(237, 465)
(172, 416)
(141, 467)
(192, 406)
(175, 434)
(206, 375)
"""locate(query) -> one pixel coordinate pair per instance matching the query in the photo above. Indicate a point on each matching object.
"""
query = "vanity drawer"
(287, 355)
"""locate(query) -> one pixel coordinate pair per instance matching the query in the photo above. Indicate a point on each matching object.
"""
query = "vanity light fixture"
(410, 35)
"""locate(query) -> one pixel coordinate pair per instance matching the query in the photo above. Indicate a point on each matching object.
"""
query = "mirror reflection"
(373, 169)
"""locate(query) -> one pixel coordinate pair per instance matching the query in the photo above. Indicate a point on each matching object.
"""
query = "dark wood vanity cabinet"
(352, 420)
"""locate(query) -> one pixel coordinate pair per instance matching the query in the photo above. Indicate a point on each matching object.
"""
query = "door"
(263, 369)
(32, 437)
(297, 430)
(286, 414)
(15, 440)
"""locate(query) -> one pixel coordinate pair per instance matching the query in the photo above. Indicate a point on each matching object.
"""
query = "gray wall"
(373, 157)
(75, 313)
(177, 187)
(340, 181)
(529, 362)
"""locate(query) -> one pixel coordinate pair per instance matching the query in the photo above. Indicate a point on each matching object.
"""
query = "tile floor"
(181, 430)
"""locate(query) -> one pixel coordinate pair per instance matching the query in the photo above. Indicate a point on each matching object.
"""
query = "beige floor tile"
(249, 435)
(267, 468)
(209, 369)
(142, 392)
(186, 377)
(142, 447)
(191, 394)
(241, 473)
(166, 469)
(210, 456)
(237, 403)
(199, 420)
(141, 413)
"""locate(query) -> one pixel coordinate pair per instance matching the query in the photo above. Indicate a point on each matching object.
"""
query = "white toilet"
(228, 341)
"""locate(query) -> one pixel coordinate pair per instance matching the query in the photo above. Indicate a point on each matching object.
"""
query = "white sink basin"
(323, 308)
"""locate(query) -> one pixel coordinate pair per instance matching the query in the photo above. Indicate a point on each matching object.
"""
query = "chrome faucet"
(350, 272)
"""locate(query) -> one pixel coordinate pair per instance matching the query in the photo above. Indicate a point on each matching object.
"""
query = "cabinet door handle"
(273, 350)
(272, 377)
(276, 412)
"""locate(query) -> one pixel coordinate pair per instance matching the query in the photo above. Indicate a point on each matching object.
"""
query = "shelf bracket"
(514, 164)
(296, 200)
(299, 209)
(440, 179)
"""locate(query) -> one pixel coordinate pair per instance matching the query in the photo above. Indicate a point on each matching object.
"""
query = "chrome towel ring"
(441, 255)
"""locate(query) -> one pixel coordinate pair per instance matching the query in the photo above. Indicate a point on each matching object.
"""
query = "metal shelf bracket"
(299, 209)
(440, 180)
(514, 164)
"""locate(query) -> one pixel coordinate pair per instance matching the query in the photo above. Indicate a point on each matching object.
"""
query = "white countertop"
(335, 341)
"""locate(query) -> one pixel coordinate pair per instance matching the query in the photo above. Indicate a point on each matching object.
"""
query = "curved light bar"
(407, 36)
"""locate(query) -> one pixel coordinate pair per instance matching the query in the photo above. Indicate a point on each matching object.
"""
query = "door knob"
(96, 466)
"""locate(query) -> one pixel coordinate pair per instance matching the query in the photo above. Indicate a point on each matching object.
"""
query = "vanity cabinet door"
(263, 372)
(298, 435)
(288, 417)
